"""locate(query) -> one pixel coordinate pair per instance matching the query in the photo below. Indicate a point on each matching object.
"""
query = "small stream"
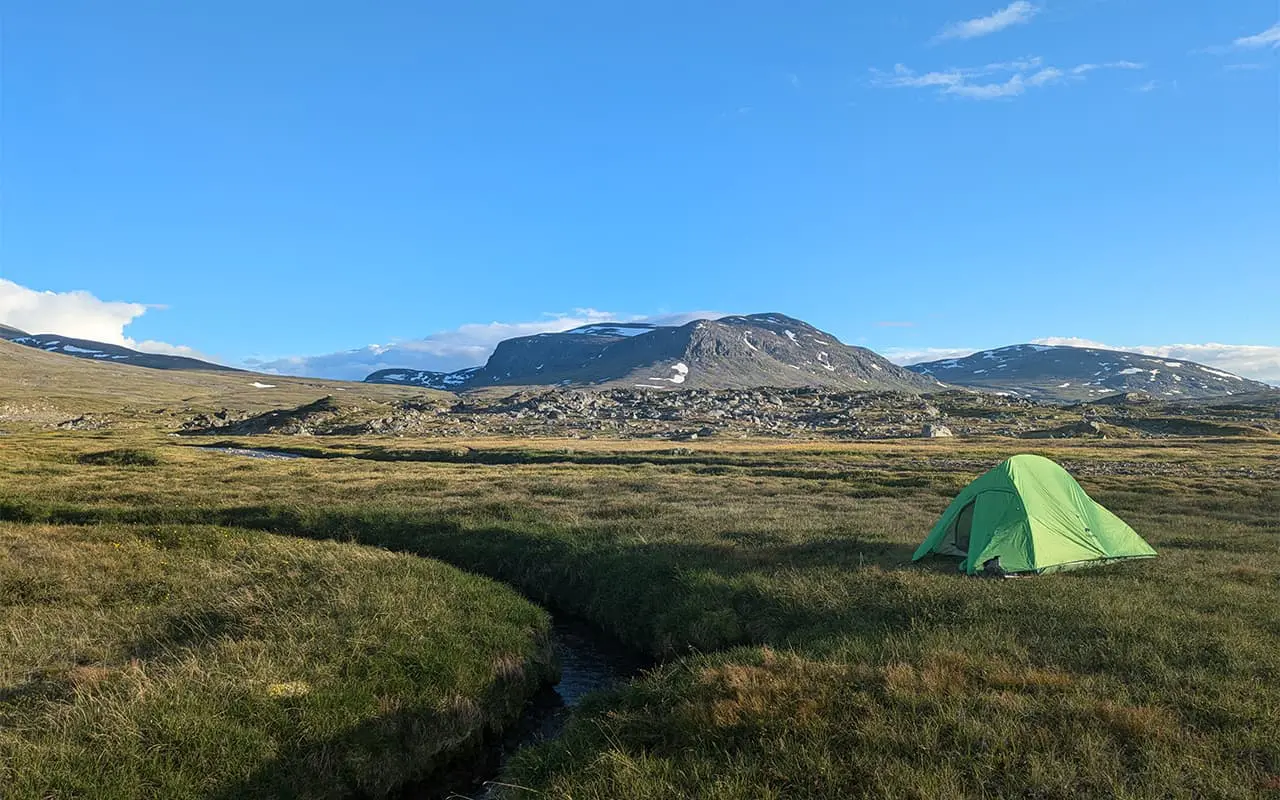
(589, 662)
(254, 452)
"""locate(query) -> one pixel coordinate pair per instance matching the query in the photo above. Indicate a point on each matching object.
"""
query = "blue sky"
(295, 179)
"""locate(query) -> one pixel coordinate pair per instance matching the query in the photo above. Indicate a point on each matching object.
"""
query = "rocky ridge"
(798, 413)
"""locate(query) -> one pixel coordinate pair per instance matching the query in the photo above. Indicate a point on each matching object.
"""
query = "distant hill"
(99, 351)
(738, 352)
(38, 387)
(1073, 374)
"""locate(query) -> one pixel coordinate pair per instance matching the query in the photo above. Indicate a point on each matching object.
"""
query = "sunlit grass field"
(805, 656)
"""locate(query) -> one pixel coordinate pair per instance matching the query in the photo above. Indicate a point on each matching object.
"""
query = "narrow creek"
(589, 661)
(254, 452)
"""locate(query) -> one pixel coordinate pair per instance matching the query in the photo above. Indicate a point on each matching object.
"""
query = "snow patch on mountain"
(1221, 374)
(681, 370)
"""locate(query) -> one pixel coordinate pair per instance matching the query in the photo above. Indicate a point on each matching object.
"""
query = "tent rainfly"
(1029, 515)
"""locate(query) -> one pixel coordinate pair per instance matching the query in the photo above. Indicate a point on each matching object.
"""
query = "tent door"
(962, 528)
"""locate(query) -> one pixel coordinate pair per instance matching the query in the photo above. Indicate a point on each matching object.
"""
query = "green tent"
(1030, 515)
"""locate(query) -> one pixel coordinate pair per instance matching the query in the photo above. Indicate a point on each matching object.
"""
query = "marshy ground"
(154, 593)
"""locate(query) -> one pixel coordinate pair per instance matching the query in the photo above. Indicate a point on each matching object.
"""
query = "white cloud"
(1149, 86)
(465, 346)
(76, 314)
(1015, 13)
(79, 315)
(1268, 38)
(992, 81)
(915, 355)
(166, 349)
(1086, 68)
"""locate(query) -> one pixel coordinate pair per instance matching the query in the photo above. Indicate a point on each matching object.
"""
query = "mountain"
(98, 351)
(1072, 374)
(730, 353)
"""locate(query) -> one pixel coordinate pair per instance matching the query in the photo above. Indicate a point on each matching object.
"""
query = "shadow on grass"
(660, 597)
(188, 629)
(870, 475)
(396, 754)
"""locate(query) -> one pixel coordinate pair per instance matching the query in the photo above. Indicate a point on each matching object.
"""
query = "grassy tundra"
(805, 656)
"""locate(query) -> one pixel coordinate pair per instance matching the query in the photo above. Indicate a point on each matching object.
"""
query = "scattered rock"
(692, 414)
(86, 422)
(1125, 399)
(1088, 427)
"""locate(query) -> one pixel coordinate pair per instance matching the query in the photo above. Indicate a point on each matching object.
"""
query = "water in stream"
(253, 452)
(588, 663)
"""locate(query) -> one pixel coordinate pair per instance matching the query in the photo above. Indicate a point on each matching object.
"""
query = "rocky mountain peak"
(734, 352)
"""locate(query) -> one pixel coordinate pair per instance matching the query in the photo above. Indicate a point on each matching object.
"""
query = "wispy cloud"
(1149, 86)
(1016, 13)
(991, 81)
(78, 315)
(1243, 67)
(917, 355)
(465, 346)
(1082, 69)
(1268, 38)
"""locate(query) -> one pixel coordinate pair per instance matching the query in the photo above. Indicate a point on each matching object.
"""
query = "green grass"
(806, 656)
(199, 661)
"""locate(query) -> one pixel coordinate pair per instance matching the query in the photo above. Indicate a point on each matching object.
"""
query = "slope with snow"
(1072, 374)
(99, 351)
